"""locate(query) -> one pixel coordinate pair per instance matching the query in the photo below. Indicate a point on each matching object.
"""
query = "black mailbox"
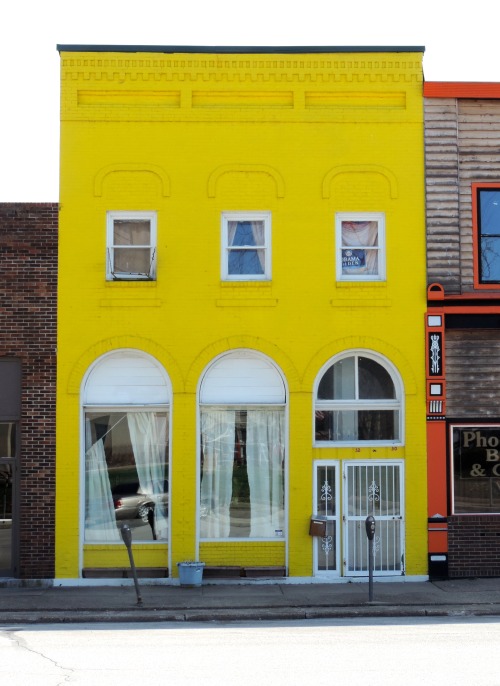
(317, 526)
(370, 527)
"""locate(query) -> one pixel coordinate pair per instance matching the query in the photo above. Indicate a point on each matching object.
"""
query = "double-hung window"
(360, 251)
(131, 246)
(246, 246)
(486, 204)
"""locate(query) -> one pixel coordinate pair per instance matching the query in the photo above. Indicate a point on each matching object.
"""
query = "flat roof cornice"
(239, 49)
(462, 89)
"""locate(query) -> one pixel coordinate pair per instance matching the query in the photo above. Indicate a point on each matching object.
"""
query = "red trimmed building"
(462, 148)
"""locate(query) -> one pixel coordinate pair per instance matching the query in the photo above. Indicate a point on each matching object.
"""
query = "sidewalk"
(246, 602)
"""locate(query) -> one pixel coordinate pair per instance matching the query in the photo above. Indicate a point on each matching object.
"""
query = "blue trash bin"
(190, 573)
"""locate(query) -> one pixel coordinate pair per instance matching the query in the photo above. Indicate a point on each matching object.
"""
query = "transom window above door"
(131, 246)
(360, 246)
(246, 246)
(358, 400)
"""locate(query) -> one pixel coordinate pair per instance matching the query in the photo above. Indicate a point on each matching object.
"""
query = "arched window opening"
(126, 400)
(358, 399)
(242, 449)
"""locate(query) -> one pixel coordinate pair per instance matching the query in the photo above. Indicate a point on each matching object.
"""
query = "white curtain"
(265, 453)
(363, 238)
(100, 521)
(148, 437)
(218, 440)
(239, 236)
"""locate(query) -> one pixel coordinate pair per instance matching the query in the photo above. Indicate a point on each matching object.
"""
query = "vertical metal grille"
(373, 489)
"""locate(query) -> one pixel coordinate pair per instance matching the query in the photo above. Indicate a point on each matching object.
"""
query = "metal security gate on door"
(373, 488)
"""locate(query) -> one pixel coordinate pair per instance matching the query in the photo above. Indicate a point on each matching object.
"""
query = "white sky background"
(460, 39)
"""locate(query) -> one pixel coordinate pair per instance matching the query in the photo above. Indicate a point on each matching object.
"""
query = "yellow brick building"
(241, 299)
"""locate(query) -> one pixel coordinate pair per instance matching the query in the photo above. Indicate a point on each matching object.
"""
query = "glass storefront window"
(126, 475)
(476, 469)
(242, 473)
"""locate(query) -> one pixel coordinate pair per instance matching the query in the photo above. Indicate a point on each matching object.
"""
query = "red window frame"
(476, 239)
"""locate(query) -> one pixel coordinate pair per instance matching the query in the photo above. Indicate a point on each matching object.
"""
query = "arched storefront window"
(358, 399)
(126, 400)
(242, 449)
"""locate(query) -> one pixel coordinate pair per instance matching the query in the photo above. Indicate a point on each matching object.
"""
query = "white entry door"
(326, 504)
(373, 488)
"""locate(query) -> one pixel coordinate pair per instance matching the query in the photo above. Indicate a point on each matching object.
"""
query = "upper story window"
(358, 400)
(131, 246)
(360, 241)
(246, 246)
(486, 206)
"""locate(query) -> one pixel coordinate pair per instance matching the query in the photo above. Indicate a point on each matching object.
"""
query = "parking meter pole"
(370, 570)
(127, 539)
(370, 533)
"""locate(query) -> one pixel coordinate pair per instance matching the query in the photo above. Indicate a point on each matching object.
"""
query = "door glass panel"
(5, 517)
(326, 506)
(7, 439)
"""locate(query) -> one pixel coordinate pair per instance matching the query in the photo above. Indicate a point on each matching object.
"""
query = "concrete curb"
(142, 615)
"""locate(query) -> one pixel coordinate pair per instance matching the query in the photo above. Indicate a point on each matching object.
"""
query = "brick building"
(237, 231)
(28, 287)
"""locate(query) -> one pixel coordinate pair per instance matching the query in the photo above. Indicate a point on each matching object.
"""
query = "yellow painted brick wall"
(189, 136)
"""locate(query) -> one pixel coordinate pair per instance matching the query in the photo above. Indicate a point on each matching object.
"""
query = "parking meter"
(370, 527)
(370, 533)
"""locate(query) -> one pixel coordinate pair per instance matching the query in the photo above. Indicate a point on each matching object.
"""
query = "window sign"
(476, 468)
(353, 259)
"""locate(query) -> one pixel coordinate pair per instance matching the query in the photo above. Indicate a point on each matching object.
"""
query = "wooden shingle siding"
(441, 161)
(473, 373)
(462, 146)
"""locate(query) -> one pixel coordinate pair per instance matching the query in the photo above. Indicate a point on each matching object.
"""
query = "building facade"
(28, 291)
(241, 310)
(462, 142)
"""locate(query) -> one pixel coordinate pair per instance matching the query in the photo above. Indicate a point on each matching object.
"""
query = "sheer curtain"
(359, 235)
(246, 234)
(265, 452)
(218, 440)
(148, 437)
(100, 521)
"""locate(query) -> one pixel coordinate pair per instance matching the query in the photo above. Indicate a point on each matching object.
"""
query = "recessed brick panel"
(474, 546)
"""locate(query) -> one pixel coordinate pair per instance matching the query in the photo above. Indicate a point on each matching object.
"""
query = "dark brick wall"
(28, 298)
(473, 546)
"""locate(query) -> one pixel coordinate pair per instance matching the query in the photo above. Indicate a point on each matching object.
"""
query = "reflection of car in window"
(131, 503)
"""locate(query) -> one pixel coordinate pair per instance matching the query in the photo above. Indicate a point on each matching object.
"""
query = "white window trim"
(243, 406)
(397, 404)
(379, 217)
(226, 217)
(111, 216)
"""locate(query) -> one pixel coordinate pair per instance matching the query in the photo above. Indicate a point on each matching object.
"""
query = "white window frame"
(379, 217)
(232, 399)
(358, 404)
(227, 217)
(122, 215)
